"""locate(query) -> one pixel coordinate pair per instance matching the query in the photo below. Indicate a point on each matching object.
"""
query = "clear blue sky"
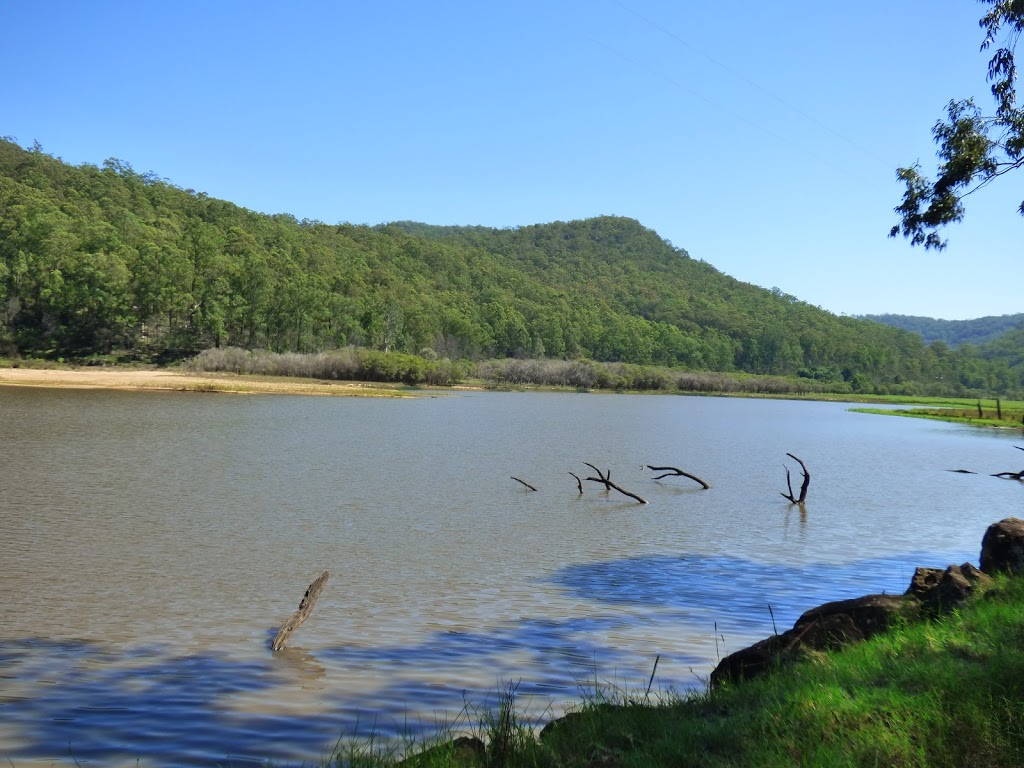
(761, 137)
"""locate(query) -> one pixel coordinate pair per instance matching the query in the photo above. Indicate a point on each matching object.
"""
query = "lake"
(154, 542)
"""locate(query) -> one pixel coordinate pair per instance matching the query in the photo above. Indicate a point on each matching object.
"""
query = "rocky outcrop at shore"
(932, 592)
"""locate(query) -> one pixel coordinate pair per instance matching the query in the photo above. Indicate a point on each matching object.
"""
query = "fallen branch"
(524, 483)
(605, 477)
(803, 488)
(579, 483)
(1012, 475)
(305, 608)
(675, 472)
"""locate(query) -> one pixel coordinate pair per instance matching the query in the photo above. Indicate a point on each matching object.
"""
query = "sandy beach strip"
(163, 379)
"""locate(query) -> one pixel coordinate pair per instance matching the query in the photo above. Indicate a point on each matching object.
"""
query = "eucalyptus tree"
(974, 148)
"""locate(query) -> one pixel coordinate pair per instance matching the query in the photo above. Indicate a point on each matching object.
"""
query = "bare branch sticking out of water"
(605, 477)
(676, 472)
(524, 483)
(803, 488)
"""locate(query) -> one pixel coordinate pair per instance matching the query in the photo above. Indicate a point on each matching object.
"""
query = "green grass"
(940, 693)
(980, 413)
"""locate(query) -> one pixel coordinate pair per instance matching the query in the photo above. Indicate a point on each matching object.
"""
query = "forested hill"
(97, 260)
(954, 332)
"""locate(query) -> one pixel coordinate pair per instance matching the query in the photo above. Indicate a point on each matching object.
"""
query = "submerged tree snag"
(305, 608)
(579, 483)
(675, 472)
(1012, 475)
(803, 487)
(606, 478)
(524, 483)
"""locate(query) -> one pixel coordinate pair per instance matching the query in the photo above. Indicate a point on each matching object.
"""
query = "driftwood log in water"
(606, 478)
(804, 486)
(305, 608)
(676, 472)
(579, 483)
(524, 483)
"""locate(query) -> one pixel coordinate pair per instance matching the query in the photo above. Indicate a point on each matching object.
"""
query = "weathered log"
(676, 472)
(803, 488)
(305, 608)
(524, 483)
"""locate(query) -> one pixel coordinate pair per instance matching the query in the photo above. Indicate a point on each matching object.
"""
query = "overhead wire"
(753, 84)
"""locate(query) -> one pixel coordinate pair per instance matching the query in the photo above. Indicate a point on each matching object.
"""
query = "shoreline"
(152, 379)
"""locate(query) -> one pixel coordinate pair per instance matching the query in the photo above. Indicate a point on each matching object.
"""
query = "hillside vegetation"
(954, 332)
(108, 261)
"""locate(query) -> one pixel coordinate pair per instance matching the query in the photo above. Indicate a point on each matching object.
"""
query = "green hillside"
(954, 332)
(104, 260)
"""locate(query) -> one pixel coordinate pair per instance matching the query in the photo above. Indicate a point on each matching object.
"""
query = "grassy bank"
(980, 413)
(948, 692)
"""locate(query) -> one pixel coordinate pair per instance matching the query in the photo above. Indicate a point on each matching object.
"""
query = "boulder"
(1002, 548)
(870, 614)
(941, 591)
(827, 627)
(463, 751)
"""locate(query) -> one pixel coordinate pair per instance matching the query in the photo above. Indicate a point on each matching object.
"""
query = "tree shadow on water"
(87, 703)
(734, 591)
(83, 703)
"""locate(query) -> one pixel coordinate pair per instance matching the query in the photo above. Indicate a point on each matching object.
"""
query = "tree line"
(107, 261)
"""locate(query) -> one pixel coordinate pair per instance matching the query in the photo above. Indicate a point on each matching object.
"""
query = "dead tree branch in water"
(579, 483)
(305, 608)
(1012, 475)
(602, 477)
(676, 472)
(524, 483)
(606, 478)
(803, 488)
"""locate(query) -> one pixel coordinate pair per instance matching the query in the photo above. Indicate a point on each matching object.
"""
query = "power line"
(740, 76)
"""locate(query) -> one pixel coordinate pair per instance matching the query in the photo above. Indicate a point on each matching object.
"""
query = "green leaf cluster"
(974, 148)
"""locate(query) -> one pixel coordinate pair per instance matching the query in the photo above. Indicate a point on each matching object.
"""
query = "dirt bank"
(162, 379)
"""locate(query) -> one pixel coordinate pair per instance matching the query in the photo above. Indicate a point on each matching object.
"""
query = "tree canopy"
(974, 148)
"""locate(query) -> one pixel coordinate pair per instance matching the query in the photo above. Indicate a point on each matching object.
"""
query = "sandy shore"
(154, 379)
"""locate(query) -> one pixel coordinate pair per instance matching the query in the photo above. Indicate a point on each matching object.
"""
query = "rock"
(870, 614)
(752, 661)
(465, 750)
(953, 586)
(827, 627)
(1002, 549)
(924, 581)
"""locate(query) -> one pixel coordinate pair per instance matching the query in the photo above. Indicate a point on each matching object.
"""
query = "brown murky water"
(153, 542)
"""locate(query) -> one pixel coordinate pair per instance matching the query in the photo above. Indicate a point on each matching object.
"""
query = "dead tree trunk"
(524, 483)
(675, 472)
(803, 488)
(305, 608)
(605, 477)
